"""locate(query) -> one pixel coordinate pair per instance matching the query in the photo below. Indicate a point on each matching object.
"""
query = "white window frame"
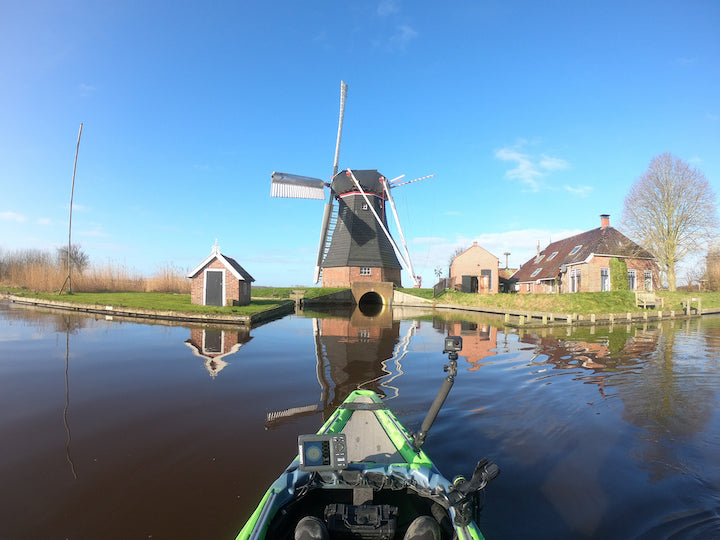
(632, 282)
(536, 272)
(648, 278)
(365, 271)
(575, 250)
(605, 284)
(551, 257)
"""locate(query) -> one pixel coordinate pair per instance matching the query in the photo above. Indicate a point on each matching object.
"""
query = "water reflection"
(600, 432)
(213, 345)
(352, 350)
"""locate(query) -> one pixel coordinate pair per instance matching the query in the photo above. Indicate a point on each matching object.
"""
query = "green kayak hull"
(378, 447)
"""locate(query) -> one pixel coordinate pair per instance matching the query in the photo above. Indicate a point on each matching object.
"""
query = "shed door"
(214, 288)
(469, 284)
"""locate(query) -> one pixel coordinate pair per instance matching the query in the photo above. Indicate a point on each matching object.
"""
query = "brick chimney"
(604, 220)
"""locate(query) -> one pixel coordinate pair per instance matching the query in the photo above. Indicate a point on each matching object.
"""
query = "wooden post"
(592, 318)
(521, 321)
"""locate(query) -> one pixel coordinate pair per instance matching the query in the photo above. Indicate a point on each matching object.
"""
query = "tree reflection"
(649, 369)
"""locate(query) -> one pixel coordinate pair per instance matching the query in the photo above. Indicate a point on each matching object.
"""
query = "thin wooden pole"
(68, 279)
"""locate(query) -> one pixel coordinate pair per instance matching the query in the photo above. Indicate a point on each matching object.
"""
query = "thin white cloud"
(525, 170)
(12, 216)
(429, 240)
(549, 163)
(96, 232)
(86, 90)
(403, 35)
(529, 170)
(580, 191)
(387, 7)
(43, 221)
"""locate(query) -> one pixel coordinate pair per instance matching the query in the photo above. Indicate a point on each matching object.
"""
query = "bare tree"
(79, 260)
(670, 210)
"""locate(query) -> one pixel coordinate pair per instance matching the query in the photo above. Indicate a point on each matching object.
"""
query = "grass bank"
(581, 303)
(151, 300)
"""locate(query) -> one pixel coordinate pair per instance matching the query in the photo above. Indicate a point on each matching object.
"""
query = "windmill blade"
(327, 215)
(402, 236)
(394, 185)
(343, 94)
(294, 186)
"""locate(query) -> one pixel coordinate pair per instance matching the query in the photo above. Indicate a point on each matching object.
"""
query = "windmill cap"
(369, 180)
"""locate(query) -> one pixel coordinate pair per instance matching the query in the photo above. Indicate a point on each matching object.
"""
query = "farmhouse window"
(648, 280)
(604, 279)
(575, 250)
(632, 280)
(575, 280)
(551, 257)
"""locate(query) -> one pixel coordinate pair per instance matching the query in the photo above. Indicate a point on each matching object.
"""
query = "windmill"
(355, 243)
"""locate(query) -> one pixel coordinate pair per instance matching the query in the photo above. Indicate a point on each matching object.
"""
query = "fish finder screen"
(317, 453)
(322, 452)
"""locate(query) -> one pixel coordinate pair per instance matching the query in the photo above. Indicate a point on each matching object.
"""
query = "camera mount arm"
(453, 344)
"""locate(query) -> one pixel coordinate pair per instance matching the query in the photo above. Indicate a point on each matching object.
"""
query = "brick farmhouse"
(582, 263)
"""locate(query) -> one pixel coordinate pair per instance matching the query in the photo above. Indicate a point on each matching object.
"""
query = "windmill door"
(214, 288)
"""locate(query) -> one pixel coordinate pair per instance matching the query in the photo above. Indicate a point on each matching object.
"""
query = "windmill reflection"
(352, 351)
(213, 345)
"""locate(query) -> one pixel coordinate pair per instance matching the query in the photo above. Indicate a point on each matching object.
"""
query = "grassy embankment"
(581, 303)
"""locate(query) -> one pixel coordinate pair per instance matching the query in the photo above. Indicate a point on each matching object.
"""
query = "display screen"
(317, 453)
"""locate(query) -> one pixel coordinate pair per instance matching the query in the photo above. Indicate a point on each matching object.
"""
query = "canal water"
(119, 429)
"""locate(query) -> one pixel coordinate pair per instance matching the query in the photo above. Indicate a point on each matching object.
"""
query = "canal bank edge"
(512, 318)
(139, 313)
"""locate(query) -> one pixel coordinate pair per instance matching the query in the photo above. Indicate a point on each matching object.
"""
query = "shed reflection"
(213, 345)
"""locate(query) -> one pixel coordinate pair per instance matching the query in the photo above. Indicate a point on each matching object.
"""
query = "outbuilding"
(475, 270)
(220, 281)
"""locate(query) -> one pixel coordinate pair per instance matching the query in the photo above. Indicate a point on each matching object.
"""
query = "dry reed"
(39, 271)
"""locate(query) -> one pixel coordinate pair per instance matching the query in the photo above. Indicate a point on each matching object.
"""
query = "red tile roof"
(601, 241)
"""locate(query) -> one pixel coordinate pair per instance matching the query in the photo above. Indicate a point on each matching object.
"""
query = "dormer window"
(575, 250)
(536, 272)
(551, 257)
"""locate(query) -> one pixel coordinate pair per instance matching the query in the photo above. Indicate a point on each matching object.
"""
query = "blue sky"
(535, 117)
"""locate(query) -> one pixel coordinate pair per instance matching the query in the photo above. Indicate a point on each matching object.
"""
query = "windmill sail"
(296, 187)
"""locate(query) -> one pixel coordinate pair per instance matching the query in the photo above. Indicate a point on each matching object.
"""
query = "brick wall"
(236, 291)
(342, 276)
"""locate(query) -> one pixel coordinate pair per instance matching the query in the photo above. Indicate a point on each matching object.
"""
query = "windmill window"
(575, 250)
(365, 271)
(551, 257)
(536, 272)
(364, 206)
